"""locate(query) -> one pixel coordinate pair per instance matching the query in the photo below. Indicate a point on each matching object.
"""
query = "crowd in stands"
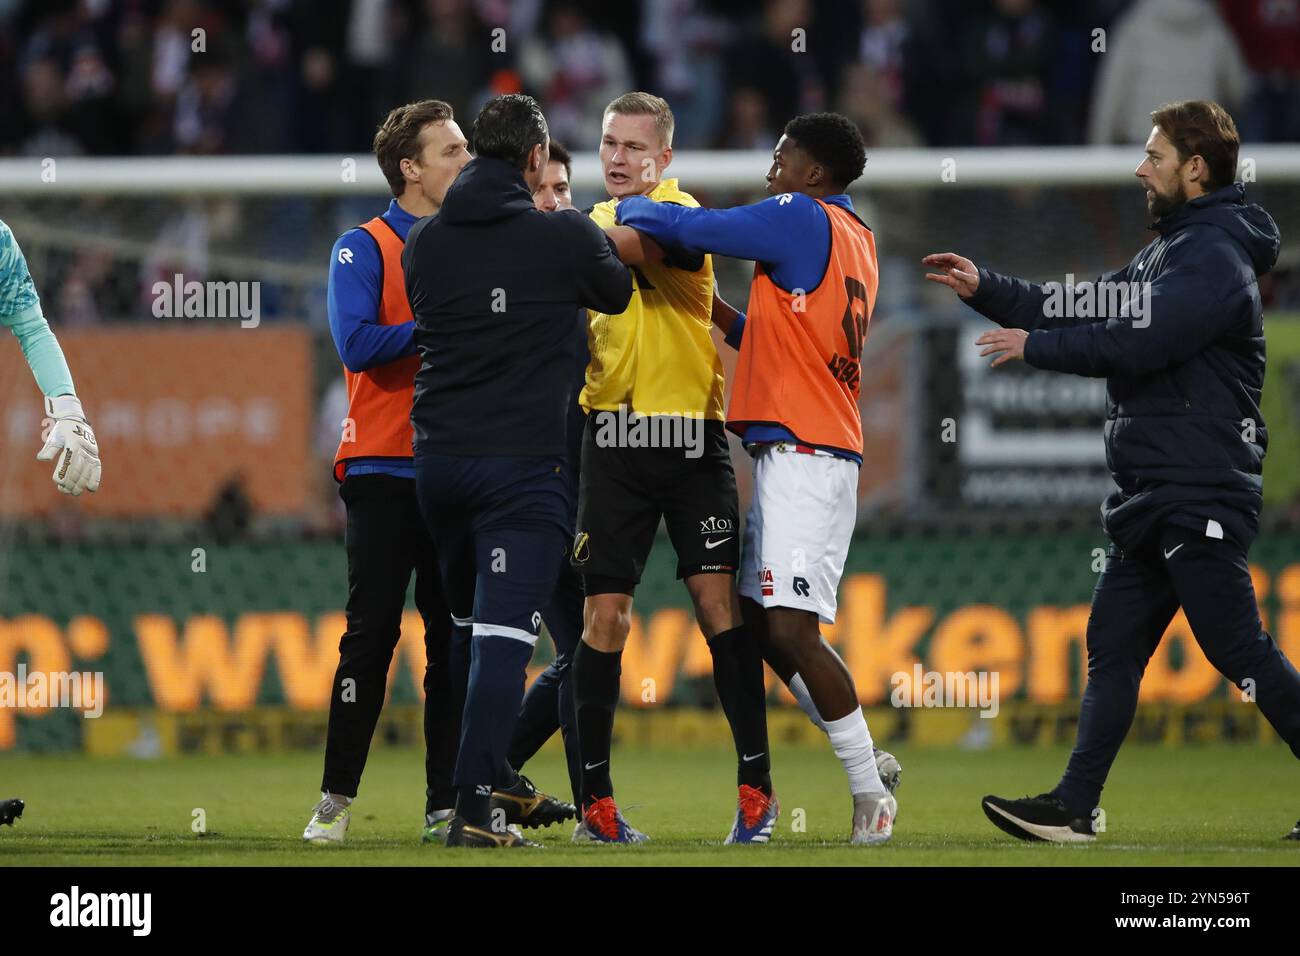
(149, 77)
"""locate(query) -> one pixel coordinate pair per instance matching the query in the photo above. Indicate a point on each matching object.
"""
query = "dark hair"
(561, 155)
(508, 127)
(1204, 129)
(832, 140)
(398, 137)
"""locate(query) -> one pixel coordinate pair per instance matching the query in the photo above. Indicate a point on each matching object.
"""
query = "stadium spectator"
(210, 106)
(1169, 50)
(1005, 57)
(908, 67)
(685, 43)
(349, 68)
(749, 124)
(49, 131)
(1269, 34)
(575, 69)
(867, 99)
(230, 515)
(769, 58)
(451, 58)
(84, 285)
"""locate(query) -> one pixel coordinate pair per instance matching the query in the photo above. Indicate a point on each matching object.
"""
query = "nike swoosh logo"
(1170, 553)
(593, 766)
(747, 758)
(713, 544)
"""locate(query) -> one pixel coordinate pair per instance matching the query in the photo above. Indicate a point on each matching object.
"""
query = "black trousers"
(386, 542)
(500, 527)
(548, 706)
(1134, 601)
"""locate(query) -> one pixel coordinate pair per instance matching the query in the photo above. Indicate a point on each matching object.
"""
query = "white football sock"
(805, 701)
(851, 741)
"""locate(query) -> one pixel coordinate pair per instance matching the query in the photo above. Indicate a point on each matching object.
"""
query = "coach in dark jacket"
(494, 284)
(1178, 334)
(1184, 371)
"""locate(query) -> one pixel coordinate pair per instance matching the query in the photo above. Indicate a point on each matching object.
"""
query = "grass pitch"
(1213, 805)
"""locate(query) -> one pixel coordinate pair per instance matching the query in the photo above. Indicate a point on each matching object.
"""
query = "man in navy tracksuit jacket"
(494, 285)
(548, 705)
(1185, 443)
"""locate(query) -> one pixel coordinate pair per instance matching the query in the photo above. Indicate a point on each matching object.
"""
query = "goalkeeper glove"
(72, 443)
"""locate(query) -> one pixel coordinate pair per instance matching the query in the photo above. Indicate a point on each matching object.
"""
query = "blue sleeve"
(789, 234)
(737, 332)
(356, 276)
(1182, 314)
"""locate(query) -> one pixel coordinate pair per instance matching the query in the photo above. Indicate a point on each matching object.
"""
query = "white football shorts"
(798, 529)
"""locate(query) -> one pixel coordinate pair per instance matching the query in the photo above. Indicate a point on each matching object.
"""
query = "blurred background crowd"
(104, 77)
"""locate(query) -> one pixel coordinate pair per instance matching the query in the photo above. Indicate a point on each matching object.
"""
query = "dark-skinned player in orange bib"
(794, 403)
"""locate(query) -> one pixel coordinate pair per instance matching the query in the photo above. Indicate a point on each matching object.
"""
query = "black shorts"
(624, 491)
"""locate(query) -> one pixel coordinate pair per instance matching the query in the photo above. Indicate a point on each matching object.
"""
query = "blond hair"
(646, 104)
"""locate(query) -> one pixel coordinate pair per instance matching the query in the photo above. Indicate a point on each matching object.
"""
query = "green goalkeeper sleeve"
(20, 310)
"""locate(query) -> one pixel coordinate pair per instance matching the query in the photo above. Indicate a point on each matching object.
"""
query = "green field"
(1213, 805)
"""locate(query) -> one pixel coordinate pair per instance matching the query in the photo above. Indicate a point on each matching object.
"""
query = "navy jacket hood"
(495, 287)
(487, 190)
(1247, 223)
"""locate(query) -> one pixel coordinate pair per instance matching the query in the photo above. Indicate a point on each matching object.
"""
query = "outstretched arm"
(68, 438)
(1178, 315)
(1011, 302)
(788, 233)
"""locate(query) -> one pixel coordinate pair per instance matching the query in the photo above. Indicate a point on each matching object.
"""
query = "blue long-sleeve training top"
(355, 283)
(789, 234)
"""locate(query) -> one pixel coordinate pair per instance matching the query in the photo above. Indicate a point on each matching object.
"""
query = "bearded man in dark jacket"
(1178, 334)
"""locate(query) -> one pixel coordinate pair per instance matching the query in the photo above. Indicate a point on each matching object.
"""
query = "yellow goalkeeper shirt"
(657, 357)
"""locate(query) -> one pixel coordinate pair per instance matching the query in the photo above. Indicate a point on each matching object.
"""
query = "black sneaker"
(462, 833)
(10, 810)
(1293, 835)
(1044, 818)
(526, 806)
